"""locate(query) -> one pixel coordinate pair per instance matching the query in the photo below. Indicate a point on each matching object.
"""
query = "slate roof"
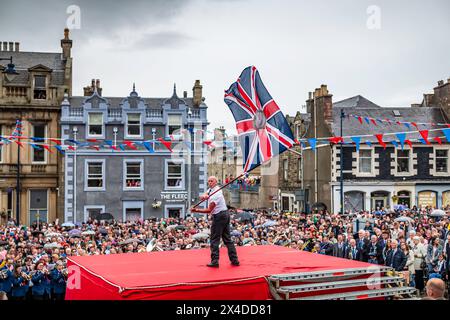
(360, 106)
(24, 60)
(114, 102)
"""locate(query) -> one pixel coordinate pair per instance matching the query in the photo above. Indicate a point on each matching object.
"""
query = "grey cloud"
(163, 39)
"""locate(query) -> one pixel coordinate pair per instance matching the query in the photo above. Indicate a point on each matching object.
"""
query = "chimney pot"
(440, 82)
(184, 94)
(16, 47)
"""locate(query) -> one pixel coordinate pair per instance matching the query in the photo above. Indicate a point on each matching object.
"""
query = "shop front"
(435, 196)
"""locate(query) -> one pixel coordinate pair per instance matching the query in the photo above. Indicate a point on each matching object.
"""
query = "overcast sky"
(297, 45)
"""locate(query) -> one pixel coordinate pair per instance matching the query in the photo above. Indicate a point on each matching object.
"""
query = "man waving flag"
(262, 128)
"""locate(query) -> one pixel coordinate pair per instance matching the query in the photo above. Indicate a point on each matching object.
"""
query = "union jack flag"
(262, 128)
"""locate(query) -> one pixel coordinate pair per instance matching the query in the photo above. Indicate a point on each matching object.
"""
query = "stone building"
(128, 181)
(34, 97)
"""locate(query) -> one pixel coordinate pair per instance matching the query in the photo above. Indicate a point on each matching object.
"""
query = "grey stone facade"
(115, 196)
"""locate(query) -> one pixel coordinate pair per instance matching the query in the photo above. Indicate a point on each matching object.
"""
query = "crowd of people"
(33, 260)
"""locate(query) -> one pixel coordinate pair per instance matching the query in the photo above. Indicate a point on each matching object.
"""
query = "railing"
(154, 113)
(38, 168)
(28, 168)
(114, 113)
(16, 91)
(195, 114)
(75, 112)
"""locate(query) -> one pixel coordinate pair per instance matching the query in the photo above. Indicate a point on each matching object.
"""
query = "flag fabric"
(262, 128)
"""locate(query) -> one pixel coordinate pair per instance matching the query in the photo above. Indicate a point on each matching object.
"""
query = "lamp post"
(115, 130)
(10, 73)
(342, 165)
(153, 137)
(75, 133)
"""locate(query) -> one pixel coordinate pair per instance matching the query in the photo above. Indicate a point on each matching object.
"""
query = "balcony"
(156, 114)
(16, 92)
(115, 113)
(25, 169)
(75, 112)
(195, 114)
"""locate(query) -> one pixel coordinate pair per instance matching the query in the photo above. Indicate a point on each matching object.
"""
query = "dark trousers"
(418, 279)
(58, 297)
(220, 228)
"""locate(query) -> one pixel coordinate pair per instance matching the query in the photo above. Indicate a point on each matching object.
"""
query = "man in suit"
(363, 245)
(352, 251)
(381, 244)
(435, 289)
(396, 258)
(340, 247)
(374, 251)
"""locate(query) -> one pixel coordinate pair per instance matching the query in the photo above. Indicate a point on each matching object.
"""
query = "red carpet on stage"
(174, 275)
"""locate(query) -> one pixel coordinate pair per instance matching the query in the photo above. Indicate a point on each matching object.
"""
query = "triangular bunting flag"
(395, 143)
(167, 144)
(438, 140)
(360, 120)
(47, 147)
(60, 149)
(373, 121)
(357, 141)
(407, 125)
(407, 141)
(368, 143)
(424, 134)
(312, 143)
(148, 146)
(401, 136)
(446, 132)
(57, 141)
(380, 140)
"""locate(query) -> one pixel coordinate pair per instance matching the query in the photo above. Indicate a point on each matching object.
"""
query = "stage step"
(326, 275)
(339, 284)
(362, 295)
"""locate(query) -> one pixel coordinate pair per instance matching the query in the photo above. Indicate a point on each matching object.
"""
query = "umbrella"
(3, 242)
(75, 236)
(103, 231)
(400, 207)
(437, 213)
(403, 219)
(180, 227)
(88, 233)
(128, 241)
(269, 223)
(200, 235)
(75, 231)
(244, 216)
(68, 225)
(104, 216)
(236, 233)
(53, 234)
(51, 245)
(172, 226)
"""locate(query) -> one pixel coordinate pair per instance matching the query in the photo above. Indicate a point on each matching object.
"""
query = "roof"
(355, 102)
(115, 102)
(24, 60)
(352, 126)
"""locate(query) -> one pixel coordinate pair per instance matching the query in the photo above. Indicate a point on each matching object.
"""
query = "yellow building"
(33, 96)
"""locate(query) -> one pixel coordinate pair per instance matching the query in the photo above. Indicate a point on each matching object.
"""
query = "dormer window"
(40, 89)
(174, 123)
(134, 124)
(95, 124)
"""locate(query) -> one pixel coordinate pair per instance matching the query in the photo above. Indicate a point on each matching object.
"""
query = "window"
(40, 91)
(174, 175)
(441, 161)
(133, 210)
(134, 124)
(95, 174)
(402, 161)
(133, 174)
(38, 153)
(365, 161)
(174, 123)
(95, 124)
(38, 206)
(92, 212)
(285, 169)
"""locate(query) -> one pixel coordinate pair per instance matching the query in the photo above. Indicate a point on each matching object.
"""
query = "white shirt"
(218, 199)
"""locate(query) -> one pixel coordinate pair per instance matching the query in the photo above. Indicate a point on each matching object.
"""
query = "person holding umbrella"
(220, 227)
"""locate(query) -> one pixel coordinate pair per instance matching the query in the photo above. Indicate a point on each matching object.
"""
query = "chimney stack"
(185, 94)
(197, 93)
(324, 102)
(440, 82)
(95, 86)
(66, 44)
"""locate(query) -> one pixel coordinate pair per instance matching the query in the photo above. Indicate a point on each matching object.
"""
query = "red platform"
(174, 275)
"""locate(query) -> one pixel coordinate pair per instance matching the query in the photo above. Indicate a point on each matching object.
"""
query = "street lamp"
(115, 130)
(154, 137)
(10, 71)
(75, 133)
